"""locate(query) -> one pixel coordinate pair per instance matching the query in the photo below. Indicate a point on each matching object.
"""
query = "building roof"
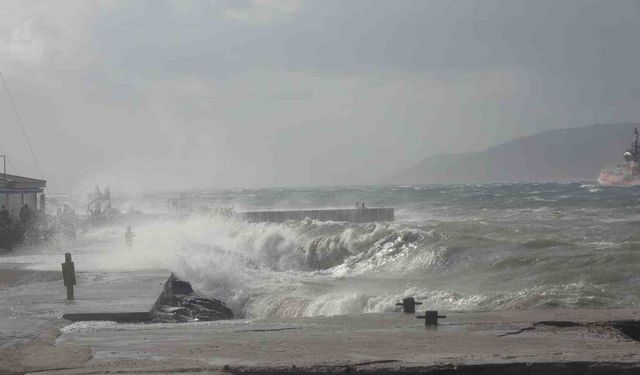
(8, 181)
(13, 178)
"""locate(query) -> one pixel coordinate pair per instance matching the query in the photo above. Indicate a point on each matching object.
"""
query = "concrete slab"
(34, 301)
(497, 342)
(27, 303)
(354, 215)
(122, 297)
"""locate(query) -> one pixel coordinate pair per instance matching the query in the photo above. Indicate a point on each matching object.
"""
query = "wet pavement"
(33, 300)
(385, 340)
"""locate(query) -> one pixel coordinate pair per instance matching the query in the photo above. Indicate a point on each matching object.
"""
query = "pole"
(68, 275)
(635, 145)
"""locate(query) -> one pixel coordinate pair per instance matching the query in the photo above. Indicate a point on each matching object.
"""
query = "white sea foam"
(459, 247)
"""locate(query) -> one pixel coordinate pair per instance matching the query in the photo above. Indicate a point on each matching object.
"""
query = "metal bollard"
(68, 275)
(408, 305)
(431, 318)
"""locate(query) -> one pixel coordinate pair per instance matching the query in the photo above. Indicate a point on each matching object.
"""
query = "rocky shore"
(179, 303)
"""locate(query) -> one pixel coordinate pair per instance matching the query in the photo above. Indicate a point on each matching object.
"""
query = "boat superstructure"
(627, 173)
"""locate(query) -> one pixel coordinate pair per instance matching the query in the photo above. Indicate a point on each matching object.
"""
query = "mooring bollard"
(431, 318)
(68, 275)
(408, 305)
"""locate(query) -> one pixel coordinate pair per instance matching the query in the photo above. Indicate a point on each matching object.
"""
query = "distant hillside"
(554, 155)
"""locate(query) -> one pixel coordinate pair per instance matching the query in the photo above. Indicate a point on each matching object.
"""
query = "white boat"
(625, 174)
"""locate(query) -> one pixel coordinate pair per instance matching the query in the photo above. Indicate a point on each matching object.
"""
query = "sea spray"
(464, 247)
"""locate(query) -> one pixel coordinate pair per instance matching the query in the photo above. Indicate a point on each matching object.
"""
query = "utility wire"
(24, 132)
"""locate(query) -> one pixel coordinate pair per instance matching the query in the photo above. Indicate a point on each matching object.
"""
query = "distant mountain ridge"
(574, 154)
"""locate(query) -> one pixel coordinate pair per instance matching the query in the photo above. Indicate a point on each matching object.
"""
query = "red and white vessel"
(626, 174)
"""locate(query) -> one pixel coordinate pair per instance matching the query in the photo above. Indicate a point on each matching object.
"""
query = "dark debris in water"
(179, 303)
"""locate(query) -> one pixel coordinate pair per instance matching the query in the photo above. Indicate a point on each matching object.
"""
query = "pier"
(355, 215)
(184, 205)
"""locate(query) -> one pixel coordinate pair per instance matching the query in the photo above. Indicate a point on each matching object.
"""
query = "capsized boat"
(627, 173)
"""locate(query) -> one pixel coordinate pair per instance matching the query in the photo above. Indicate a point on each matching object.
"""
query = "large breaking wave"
(453, 248)
(312, 268)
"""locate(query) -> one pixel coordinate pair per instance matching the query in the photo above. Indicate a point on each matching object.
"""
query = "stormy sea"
(453, 247)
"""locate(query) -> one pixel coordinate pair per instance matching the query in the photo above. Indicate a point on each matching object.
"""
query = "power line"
(24, 132)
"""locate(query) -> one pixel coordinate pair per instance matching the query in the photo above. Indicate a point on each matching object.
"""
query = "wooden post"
(43, 203)
(68, 275)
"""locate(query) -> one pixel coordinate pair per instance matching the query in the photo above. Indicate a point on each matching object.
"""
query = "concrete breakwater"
(355, 215)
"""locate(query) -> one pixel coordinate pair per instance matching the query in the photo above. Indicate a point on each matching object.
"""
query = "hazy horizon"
(261, 93)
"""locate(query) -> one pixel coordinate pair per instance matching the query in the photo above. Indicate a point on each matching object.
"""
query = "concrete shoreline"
(496, 342)
(529, 368)
(555, 341)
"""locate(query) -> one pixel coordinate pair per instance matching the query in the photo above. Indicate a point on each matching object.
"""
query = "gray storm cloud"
(172, 94)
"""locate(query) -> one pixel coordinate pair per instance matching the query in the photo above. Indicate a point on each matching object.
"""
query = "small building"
(16, 191)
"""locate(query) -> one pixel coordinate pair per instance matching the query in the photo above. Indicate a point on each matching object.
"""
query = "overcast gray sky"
(174, 94)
